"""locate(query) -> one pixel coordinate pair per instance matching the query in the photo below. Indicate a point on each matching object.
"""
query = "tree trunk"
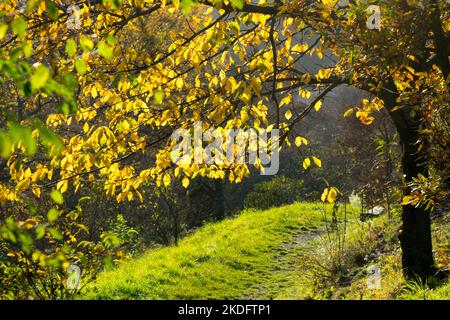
(415, 238)
(219, 200)
(176, 228)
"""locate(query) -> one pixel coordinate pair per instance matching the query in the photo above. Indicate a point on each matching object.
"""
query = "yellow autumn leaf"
(349, 112)
(244, 116)
(185, 182)
(318, 105)
(286, 100)
(288, 114)
(167, 180)
(179, 83)
(306, 78)
(141, 199)
(332, 195)
(94, 92)
(37, 192)
(306, 163)
(324, 195)
(62, 186)
(406, 200)
(23, 184)
(320, 54)
(317, 162)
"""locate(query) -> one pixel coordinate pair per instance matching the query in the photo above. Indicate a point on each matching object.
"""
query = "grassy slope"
(242, 257)
(273, 254)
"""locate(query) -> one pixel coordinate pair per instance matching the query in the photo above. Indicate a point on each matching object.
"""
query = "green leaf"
(3, 30)
(15, 132)
(159, 97)
(114, 3)
(48, 137)
(29, 143)
(71, 47)
(237, 3)
(80, 66)
(52, 214)
(52, 9)
(15, 55)
(26, 87)
(86, 43)
(70, 84)
(27, 49)
(65, 108)
(40, 232)
(19, 27)
(5, 145)
(57, 197)
(186, 6)
(85, 198)
(111, 39)
(40, 77)
(23, 134)
(32, 4)
(55, 234)
(105, 49)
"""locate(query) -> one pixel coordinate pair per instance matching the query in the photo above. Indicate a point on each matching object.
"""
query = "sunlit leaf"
(40, 77)
(86, 43)
(317, 162)
(3, 30)
(80, 66)
(52, 215)
(56, 196)
(19, 27)
(105, 49)
(71, 47)
(185, 182)
(306, 163)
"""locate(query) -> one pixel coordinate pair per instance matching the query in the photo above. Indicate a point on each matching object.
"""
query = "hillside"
(242, 257)
(262, 255)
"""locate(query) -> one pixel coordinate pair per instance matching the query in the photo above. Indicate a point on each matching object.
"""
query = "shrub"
(50, 256)
(274, 193)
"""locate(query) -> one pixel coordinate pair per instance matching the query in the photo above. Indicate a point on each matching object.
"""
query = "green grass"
(280, 253)
(244, 257)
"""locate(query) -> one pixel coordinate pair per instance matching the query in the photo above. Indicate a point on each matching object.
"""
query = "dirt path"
(285, 274)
